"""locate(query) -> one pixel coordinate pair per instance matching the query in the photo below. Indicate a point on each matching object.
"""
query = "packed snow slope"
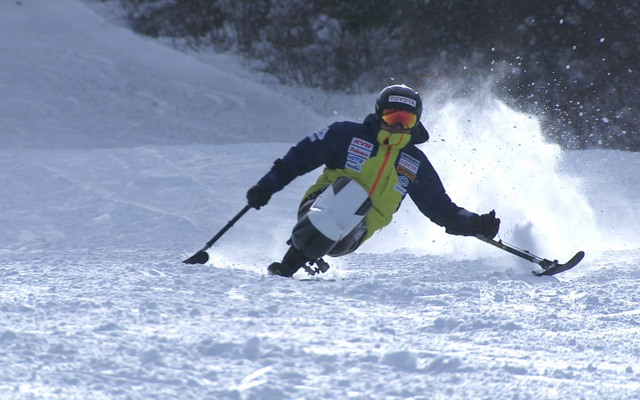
(121, 156)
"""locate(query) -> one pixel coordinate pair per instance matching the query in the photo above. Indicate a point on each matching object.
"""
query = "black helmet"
(399, 97)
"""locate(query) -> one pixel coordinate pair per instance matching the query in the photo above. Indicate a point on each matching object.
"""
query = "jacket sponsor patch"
(400, 189)
(362, 143)
(319, 135)
(402, 185)
(408, 166)
(403, 181)
(359, 151)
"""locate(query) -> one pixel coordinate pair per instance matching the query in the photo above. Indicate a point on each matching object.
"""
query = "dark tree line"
(576, 63)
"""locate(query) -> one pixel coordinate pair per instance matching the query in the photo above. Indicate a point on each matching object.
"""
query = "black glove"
(471, 224)
(258, 196)
(488, 225)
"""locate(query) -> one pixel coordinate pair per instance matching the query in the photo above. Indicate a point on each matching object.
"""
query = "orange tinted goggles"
(392, 117)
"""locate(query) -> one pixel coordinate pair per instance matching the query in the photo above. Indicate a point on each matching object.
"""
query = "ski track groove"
(116, 197)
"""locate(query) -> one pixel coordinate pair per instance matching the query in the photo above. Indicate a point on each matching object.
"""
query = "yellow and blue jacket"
(388, 165)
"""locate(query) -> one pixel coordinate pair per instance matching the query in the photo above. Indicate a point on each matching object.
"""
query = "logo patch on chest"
(408, 166)
(403, 181)
(359, 151)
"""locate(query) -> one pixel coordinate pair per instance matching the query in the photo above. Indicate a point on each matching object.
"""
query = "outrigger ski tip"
(549, 267)
(556, 268)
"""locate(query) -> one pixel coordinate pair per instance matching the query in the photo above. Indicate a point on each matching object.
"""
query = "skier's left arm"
(430, 197)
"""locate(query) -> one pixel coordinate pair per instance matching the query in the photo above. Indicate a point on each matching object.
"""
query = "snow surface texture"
(120, 157)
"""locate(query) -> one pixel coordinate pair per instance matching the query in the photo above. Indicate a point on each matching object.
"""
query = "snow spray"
(490, 156)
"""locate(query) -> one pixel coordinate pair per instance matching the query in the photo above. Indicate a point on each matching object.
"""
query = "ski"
(556, 268)
(549, 267)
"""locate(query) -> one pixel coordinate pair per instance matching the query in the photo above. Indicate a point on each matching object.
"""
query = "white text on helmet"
(402, 99)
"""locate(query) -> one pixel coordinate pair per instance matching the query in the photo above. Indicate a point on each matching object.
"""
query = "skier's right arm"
(307, 155)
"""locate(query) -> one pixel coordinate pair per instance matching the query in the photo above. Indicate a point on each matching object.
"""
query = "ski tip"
(562, 267)
(575, 259)
(200, 257)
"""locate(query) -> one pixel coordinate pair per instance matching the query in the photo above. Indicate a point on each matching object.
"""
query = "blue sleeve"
(430, 197)
(432, 200)
(320, 148)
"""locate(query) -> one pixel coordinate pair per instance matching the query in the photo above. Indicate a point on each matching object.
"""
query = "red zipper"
(384, 164)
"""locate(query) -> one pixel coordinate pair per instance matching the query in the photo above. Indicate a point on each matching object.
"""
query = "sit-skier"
(369, 169)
